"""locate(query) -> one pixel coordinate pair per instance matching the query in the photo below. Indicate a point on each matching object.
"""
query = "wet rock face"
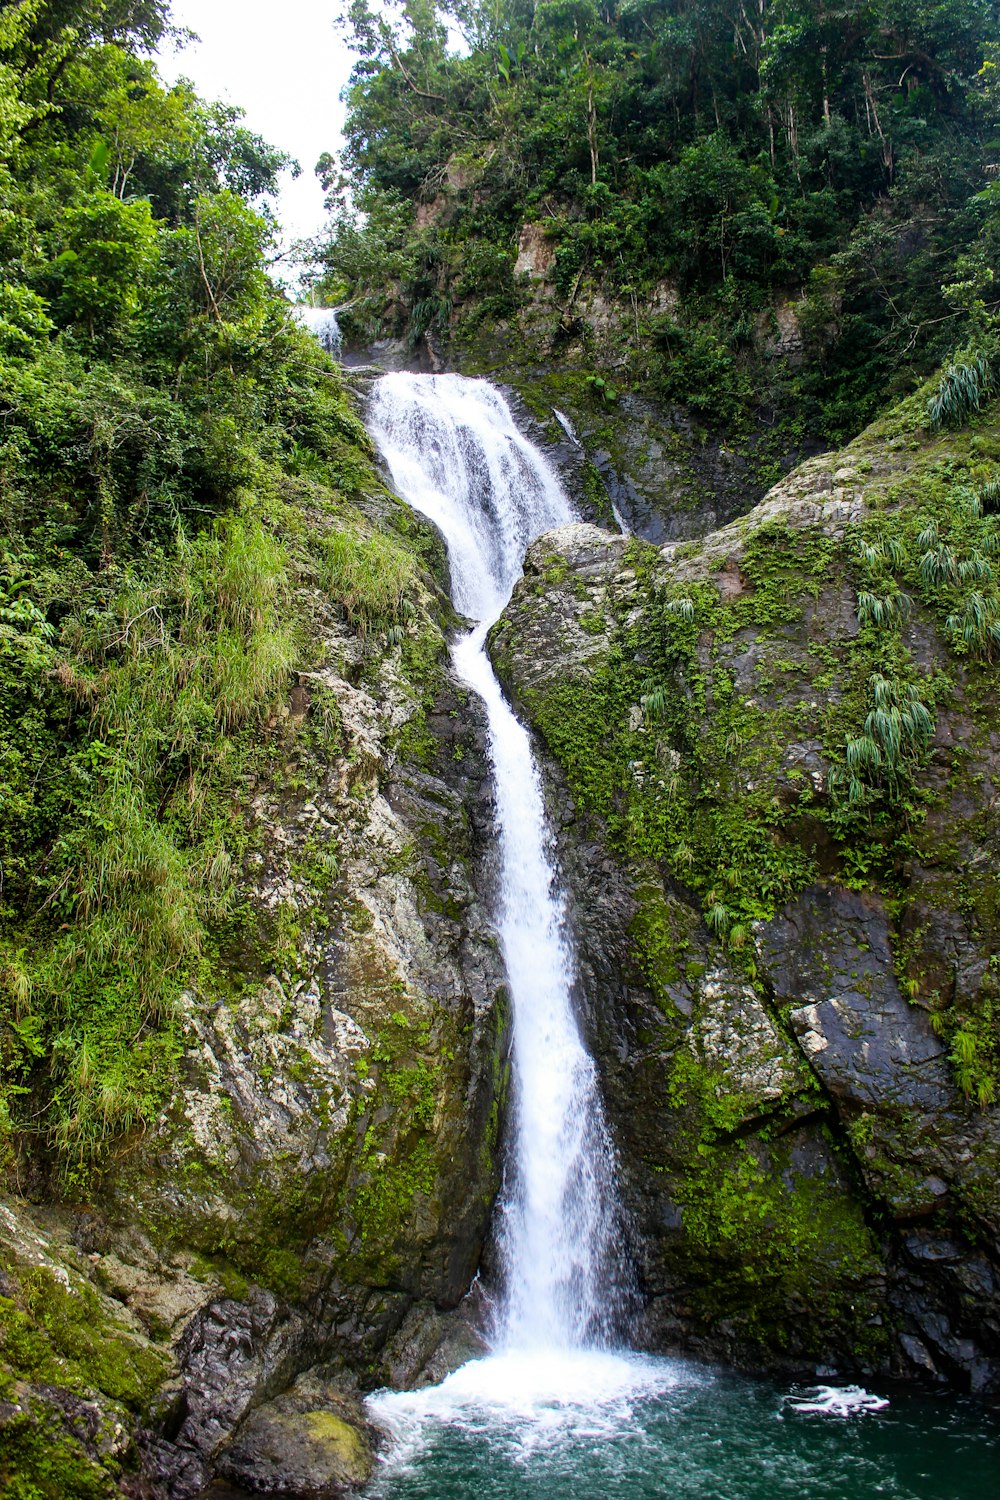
(319, 1192)
(929, 1158)
(337, 1143)
(666, 485)
(805, 1182)
(748, 1238)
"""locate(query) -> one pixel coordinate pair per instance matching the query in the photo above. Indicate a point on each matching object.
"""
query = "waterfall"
(457, 457)
(321, 323)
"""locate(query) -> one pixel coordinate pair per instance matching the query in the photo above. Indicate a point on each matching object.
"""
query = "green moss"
(777, 1239)
(215, 1270)
(59, 1345)
(384, 1204)
(349, 1454)
(41, 1460)
(660, 931)
(50, 1333)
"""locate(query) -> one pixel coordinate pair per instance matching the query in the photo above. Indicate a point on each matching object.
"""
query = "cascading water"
(457, 457)
(570, 431)
(321, 323)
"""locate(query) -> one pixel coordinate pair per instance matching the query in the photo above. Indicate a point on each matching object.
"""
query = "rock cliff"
(786, 916)
(307, 1213)
(787, 949)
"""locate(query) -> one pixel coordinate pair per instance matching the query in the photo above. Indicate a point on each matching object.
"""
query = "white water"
(837, 1401)
(553, 1402)
(457, 457)
(570, 431)
(322, 324)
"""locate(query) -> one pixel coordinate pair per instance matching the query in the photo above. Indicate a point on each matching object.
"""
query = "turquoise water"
(647, 1428)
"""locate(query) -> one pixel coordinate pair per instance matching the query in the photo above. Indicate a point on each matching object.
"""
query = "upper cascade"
(321, 323)
(456, 455)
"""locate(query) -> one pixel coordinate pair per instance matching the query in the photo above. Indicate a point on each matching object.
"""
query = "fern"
(883, 609)
(938, 565)
(654, 703)
(988, 497)
(976, 626)
(896, 732)
(719, 918)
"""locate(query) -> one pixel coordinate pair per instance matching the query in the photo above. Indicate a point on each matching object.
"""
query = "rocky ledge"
(307, 1216)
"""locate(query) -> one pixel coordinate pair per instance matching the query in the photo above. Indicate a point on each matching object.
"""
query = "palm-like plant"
(962, 390)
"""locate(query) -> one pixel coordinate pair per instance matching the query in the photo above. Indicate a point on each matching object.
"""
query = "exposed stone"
(320, 1189)
(535, 253)
(713, 1110)
(311, 1438)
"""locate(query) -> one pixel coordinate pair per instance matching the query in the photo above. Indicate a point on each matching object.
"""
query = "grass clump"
(371, 575)
(896, 732)
(962, 389)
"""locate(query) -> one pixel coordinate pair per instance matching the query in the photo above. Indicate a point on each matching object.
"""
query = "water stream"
(558, 1411)
(321, 323)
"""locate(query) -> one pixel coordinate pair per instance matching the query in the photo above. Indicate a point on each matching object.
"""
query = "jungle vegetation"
(699, 163)
(182, 477)
(165, 429)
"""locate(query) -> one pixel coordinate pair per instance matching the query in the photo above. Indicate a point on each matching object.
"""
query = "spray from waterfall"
(456, 456)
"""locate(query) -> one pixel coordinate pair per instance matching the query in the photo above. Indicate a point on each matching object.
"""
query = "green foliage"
(729, 166)
(896, 731)
(96, 280)
(371, 575)
(975, 1070)
(961, 391)
(180, 472)
(24, 322)
(948, 557)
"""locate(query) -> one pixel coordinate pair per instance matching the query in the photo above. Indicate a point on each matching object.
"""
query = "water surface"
(600, 1426)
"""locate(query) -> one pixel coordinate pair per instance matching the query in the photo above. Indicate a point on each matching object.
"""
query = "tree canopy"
(744, 151)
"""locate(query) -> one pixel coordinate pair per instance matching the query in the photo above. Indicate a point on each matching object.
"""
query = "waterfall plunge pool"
(600, 1426)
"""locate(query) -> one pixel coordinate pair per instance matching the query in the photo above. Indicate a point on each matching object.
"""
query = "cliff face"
(787, 972)
(300, 1219)
(787, 916)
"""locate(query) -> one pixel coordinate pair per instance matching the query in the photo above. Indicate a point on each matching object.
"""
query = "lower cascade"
(457, 457)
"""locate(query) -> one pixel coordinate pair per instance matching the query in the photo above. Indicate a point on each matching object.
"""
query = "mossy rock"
(311, 1439)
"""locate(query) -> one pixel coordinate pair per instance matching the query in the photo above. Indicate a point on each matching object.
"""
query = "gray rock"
(924, 1150)
(311, 1438)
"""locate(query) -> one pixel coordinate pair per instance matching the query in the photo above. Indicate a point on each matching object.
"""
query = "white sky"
(285, 65)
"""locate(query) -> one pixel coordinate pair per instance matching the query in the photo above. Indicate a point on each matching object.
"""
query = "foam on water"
(837, 1401)
(529, 1402)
